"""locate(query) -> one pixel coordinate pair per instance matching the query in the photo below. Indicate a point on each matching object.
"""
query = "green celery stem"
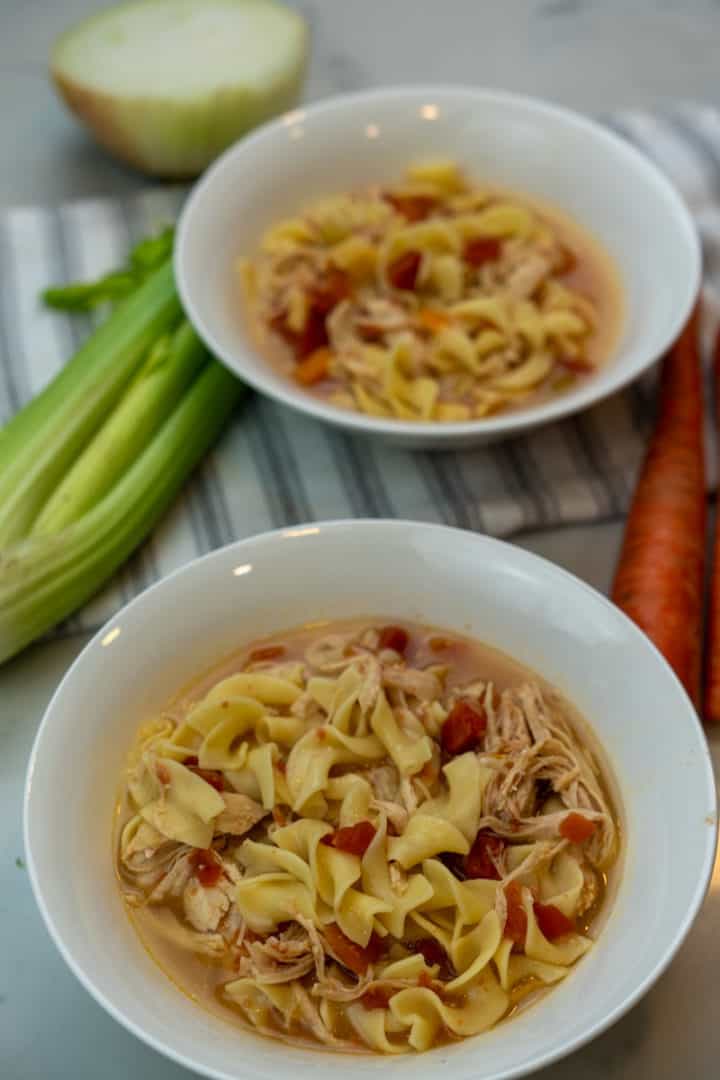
(43, 440)
(44, 578)
(146, 404)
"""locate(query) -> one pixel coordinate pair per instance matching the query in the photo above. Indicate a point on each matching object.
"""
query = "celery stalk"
(40, 443)
(44, 578)
(148, 401)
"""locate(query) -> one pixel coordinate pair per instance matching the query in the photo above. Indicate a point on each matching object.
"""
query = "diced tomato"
(481, 250)
(478, 862)
(190, 761)
(403, 271)
(281, 767)
(355, 839)
(431, 951)
(266, 652)
(349, 953)
(516, 922)
(210, 776)
(206, 867)
(576, 828)
(314, 335)
(464, 728)
(394, 637)
(551, 921)
(425, 980)
(412, 207)
(314, 367)
(377, 997)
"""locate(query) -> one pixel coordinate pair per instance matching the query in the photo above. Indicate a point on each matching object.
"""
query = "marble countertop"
(592, 54)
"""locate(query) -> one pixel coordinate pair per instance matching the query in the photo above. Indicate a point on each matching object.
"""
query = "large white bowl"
(498, 593)
(517, 142)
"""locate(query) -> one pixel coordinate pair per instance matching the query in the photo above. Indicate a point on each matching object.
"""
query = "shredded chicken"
(396, 814)
(524, 279)
(204, 907)
(385, 782)
(174, 879)
(408, 796)
(241, 813)
(420, 684)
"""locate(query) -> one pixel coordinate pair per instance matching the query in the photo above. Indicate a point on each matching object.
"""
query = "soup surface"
(433, 300)
(375, 837)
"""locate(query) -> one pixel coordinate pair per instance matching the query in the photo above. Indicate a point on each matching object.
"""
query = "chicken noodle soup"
(434, 300)
(378, 837)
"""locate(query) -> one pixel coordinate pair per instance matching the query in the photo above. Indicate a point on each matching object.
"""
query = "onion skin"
(176, 138)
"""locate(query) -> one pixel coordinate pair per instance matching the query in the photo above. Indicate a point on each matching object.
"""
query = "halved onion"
(166, 85)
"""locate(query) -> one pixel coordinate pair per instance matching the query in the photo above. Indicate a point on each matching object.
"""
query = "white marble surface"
(594, 54)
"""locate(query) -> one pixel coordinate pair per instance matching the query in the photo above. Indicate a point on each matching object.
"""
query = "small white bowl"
(498, 593)
(516, 142)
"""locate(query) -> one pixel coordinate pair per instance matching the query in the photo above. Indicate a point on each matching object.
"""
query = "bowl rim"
(609, 381)
(532, 562)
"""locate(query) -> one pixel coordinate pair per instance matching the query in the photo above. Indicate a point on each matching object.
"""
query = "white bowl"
(498, 593)
(516, 142)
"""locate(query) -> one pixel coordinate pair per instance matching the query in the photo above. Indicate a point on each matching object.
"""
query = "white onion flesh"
(166, 85)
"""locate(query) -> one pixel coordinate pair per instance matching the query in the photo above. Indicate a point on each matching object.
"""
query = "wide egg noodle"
(561, 883)
(425, 836)
(462, 803)
(267, 689)
(407, 751)
(183, 808)
(564, 951)
(376, 881)
(485, 1002)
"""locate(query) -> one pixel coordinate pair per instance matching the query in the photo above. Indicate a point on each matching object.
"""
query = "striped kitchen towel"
(273, 467)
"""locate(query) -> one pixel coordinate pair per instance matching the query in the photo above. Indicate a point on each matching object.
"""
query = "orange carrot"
(660, 574)
(711, 703)
(314, 367)
(431, 319)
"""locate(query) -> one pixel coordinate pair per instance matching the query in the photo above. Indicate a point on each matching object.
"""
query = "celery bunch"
(90, 464)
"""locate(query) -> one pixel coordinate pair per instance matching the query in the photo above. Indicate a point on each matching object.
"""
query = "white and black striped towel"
(273, 467)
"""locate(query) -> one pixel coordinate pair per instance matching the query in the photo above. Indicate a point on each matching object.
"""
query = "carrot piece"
(659, 576)
(430, 319)
(313, 368)
(711, 702)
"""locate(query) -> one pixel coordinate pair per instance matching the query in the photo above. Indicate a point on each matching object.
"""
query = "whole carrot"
(660, 573)
(711, 702)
